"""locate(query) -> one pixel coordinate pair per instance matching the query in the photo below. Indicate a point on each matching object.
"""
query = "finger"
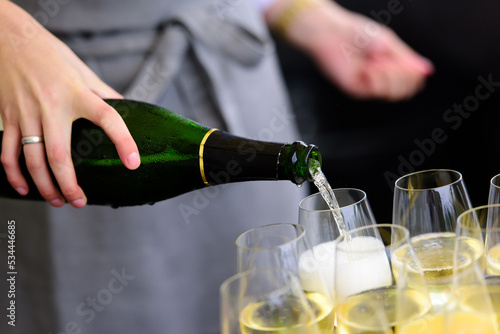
(57, 143)
(37, 166)
(406, 82)
(393, 81)
(375, 82)
(35, 157)
(102, 114)
(11, 149)
(403, 53)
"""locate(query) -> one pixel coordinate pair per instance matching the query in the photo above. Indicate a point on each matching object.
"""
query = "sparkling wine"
(493, 260)
(328, 195)
(435, 252)
(473, 298)
(262, 318)
(377, 311)
(316, 268)
(451, 323)
(365, 268)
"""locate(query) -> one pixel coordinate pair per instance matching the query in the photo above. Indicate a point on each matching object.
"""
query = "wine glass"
(283, 245)
(322, 230)
(476, 299)
(494, 195)
(266, 300)
(428, 204)
(274, 245)
(477, 245)
(316, 216)
(479, 228)
(493, 286)
(469, 308)
(375, 287)
(493, 241)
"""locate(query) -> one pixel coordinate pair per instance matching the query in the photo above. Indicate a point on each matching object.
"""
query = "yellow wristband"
(290, 13)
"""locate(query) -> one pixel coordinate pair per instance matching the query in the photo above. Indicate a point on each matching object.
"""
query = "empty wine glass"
(428, 204)
(266, 300)
(322, 230)
(368, 265)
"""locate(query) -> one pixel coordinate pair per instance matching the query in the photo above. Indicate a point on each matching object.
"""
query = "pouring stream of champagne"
(328, 195)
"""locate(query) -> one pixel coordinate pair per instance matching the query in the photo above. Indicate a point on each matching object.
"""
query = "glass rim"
(439, 170)
(493, 179)
(476, 209)
(327, 210)
(405, 230)
(300, 236)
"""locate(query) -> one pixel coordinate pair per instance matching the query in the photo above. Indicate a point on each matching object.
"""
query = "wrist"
(282, 14)
(307, 23)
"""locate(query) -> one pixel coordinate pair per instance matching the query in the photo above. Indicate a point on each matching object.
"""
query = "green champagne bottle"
(177, 156)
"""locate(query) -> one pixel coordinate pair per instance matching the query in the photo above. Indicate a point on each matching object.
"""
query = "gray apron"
(154, 269)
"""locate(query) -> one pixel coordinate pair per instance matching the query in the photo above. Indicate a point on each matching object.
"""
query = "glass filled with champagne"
(281, 246)
(375, 290)
(475, 290)
(316, 216)
(266, 301)
(428, 203)
(493, 247)
(473, 304)
(451, 323)
(476, 297)
(482, 224)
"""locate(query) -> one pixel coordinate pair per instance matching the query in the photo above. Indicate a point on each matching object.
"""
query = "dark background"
(363, 142)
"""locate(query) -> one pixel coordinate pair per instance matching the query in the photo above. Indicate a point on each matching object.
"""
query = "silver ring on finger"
(32, 140)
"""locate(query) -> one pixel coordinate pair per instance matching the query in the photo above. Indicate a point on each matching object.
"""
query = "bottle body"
(177, 156)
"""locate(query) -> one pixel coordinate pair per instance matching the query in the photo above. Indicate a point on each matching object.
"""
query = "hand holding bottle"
(362, 57)
(44, 88)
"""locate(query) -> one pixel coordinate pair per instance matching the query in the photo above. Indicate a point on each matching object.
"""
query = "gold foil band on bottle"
(202, 147)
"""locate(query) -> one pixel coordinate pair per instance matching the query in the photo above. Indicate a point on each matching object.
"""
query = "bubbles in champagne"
(362, 265)
(316, 268)
(435, 252)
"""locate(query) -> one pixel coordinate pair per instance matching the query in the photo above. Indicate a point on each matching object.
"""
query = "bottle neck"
(225, 158)
(294, 162)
